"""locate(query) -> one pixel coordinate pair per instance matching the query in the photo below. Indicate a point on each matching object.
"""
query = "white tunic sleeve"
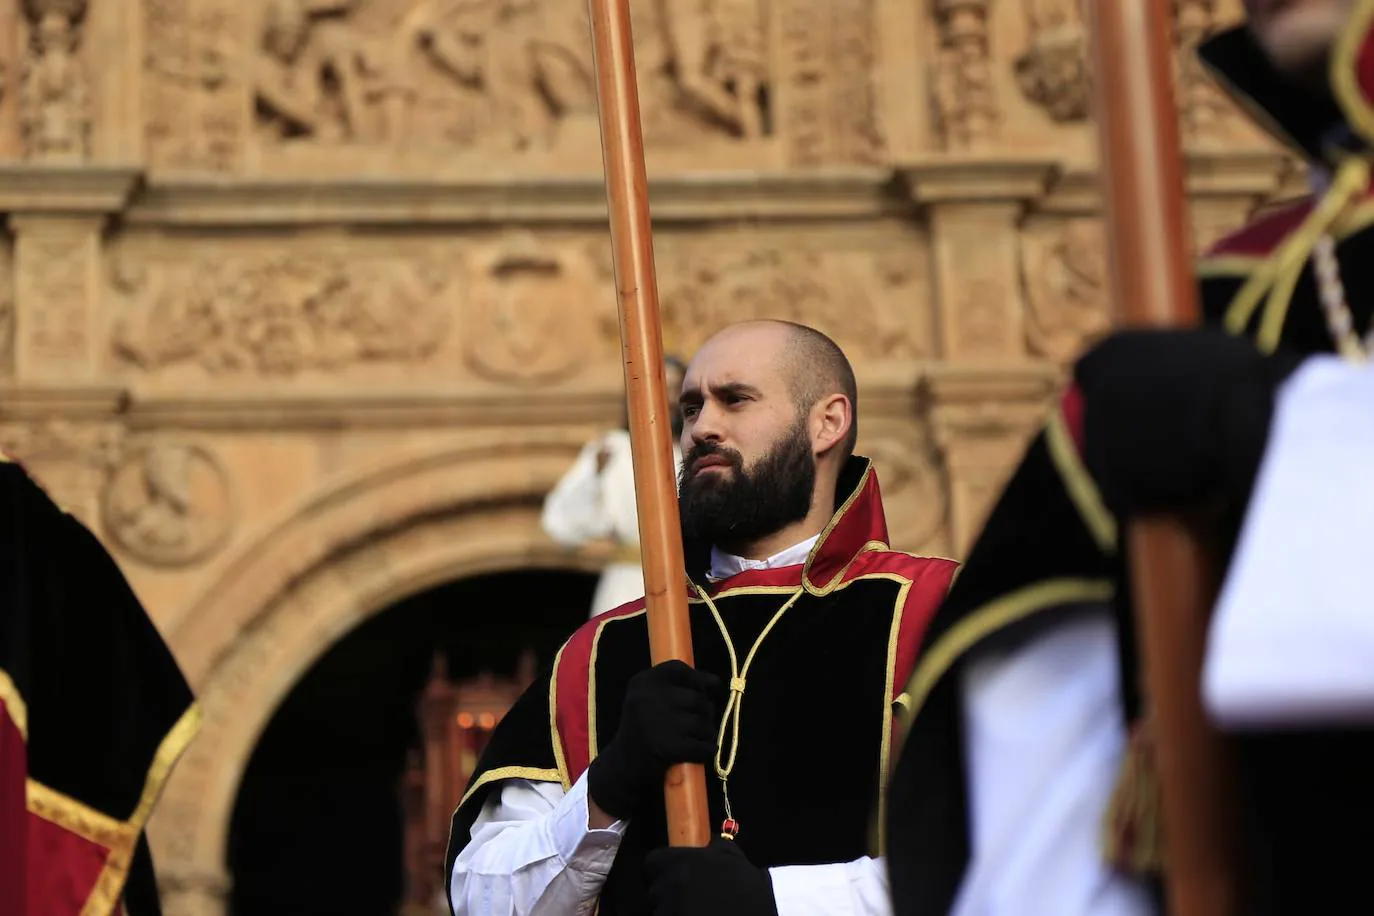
(857, 888)
(575, 512)
(532, 854)
(1291, 642)
(1044, 738)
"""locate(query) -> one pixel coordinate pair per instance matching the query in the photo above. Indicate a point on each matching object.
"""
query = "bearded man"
(1030, 741)
(793, 592)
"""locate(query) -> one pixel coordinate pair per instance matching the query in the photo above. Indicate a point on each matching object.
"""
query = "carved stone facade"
(304, 304)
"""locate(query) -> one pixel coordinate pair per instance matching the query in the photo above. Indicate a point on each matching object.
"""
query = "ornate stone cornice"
(1257, 173)
(976, 179)
(27, 188)
(59, 401)
(889, 391)
(842, 192)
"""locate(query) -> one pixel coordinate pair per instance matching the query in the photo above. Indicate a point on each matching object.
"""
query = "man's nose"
(706, 426)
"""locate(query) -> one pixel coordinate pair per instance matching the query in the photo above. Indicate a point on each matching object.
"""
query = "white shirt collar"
(724, 565)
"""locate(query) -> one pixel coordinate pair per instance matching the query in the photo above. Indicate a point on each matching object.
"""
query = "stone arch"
(393, 530)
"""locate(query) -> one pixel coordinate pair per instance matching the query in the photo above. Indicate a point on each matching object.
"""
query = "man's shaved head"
(816, 367)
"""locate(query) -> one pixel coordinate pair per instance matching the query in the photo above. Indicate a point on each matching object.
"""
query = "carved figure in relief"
(523, 55)
(321, 77)
(719, 57)
(168, 504)
(282, 315)
(1053, 70)
(965, 104)
(1066, 295)
(54, 94)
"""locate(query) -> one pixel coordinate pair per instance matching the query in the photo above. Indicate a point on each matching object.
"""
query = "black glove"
(668, 717)
(1177, 420)
(686, 881)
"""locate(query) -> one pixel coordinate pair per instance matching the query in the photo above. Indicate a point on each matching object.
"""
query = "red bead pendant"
(729, 829)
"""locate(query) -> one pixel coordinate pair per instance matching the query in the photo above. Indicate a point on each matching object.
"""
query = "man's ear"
(831, 419)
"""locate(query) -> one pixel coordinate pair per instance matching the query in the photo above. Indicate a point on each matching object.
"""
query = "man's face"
(748, 462)
(1297, 35)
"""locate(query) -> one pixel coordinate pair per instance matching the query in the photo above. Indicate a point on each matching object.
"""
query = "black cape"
(95, 712)
(1049, 549)
(816, 728)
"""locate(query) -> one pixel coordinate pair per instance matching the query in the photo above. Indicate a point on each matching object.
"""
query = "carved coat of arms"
(532, 311)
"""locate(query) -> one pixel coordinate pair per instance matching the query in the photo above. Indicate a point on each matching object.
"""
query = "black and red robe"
(1050, 546)
(817, 727)
(93, 714)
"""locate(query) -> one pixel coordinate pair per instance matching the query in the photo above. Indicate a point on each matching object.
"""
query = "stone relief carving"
(826, 53)
(1203, 110)
(71, 461)
(54, 91)
(719, 53)
(1053, 69)
(526, 310)
(914, 488)
(851, 298)
(191, 74)
(965, 102)
(281, 314)
(52, 274)
(320, 75)
(1064, 271)
(168, 504)
(860, 136)
(500, 75)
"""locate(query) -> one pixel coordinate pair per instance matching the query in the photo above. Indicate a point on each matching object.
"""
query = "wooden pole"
(641, 338)
(1175, 578)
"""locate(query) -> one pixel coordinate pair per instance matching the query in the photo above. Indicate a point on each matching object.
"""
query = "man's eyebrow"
(692, 396)
(735, 388)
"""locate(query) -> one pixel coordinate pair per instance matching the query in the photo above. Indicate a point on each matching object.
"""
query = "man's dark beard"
(727, 509)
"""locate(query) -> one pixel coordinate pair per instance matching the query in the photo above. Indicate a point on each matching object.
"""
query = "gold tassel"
(1133, 841)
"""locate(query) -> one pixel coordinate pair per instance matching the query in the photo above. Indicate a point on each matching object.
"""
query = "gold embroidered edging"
(76, 817)
(560, 760)
(116, 837)
(534, 774)
(1238, 266)
(1344, 74)
(110, 885)
(168, 752)
(14, 704)
(889, 684)
(591, 679)
(994, 615)
(823, 590)
(1082, 489)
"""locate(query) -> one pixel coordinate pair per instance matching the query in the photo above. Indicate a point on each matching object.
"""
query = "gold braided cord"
(1273, 283)
(730, 720)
